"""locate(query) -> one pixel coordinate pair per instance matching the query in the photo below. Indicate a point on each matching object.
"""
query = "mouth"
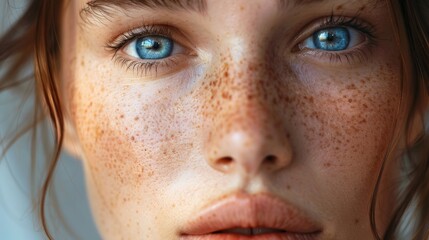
(256, 217)
(250, 231)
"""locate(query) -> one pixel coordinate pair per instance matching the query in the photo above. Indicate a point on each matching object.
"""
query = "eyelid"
(334, 21)
(152, 68)
(356, 38)
(163, 30)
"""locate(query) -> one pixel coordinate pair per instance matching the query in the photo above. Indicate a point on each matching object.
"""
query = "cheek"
(345, 111)
(341, 127)
(129, 134)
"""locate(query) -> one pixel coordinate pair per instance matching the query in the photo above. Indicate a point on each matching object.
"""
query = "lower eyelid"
(154, 69)
(356, 55)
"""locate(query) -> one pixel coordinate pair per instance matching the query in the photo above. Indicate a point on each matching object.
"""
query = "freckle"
(356, 221)
(350, 100)
(351, 87)
(136, 118)
(327, 164)
(122, 116)
(224, 95)
(288, 187)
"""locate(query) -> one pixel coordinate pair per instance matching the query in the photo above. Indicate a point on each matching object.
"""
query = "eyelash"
(354, 22)
(359, 53)
(145, 67)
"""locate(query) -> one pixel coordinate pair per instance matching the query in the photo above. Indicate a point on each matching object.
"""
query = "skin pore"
(244, 105)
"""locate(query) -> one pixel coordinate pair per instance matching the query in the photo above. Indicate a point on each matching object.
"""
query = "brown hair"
(36, 36)
(411, 18)
(37, 40)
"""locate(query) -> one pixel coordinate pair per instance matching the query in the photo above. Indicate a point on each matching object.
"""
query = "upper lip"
(250, 211)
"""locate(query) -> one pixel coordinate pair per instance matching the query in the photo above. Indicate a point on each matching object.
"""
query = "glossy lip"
(250, 211)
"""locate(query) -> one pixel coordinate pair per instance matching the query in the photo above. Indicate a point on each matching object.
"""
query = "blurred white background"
(18, 218)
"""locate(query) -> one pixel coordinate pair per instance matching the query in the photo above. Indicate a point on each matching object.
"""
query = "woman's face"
(195, 119)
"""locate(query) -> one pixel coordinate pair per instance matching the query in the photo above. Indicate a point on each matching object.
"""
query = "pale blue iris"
(332, 39)
(154, 47)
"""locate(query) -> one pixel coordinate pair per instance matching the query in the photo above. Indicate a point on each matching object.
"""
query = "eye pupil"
(150, 44)
(154, 47)
(332, 39)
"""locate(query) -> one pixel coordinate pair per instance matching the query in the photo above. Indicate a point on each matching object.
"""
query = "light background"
(18, 219)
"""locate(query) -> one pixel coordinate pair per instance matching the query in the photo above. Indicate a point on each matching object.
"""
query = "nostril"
(225, 161)
(270, 159)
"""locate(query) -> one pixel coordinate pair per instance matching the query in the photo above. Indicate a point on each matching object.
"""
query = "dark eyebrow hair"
(104, 8)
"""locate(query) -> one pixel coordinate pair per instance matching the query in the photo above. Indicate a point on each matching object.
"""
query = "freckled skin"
(250, 118)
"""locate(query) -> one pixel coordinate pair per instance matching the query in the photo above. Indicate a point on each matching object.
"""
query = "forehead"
(90, 9)
(204, 5)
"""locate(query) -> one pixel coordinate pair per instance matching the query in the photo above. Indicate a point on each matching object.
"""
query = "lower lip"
(273, 236)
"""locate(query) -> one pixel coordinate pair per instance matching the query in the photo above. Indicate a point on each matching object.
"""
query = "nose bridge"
(247, 93)
(246, 133)
(250, 108)
(246, 80)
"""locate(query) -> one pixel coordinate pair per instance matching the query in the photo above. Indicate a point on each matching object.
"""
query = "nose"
(248, 152)
(247, 134)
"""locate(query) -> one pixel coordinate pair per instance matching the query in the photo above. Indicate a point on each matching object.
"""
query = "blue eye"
(152, 47)
(334, 39)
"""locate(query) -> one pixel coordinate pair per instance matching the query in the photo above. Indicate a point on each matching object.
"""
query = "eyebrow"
(104, 8)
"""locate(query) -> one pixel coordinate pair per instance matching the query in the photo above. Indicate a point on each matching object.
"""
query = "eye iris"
(154, 47)
(332, 39)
